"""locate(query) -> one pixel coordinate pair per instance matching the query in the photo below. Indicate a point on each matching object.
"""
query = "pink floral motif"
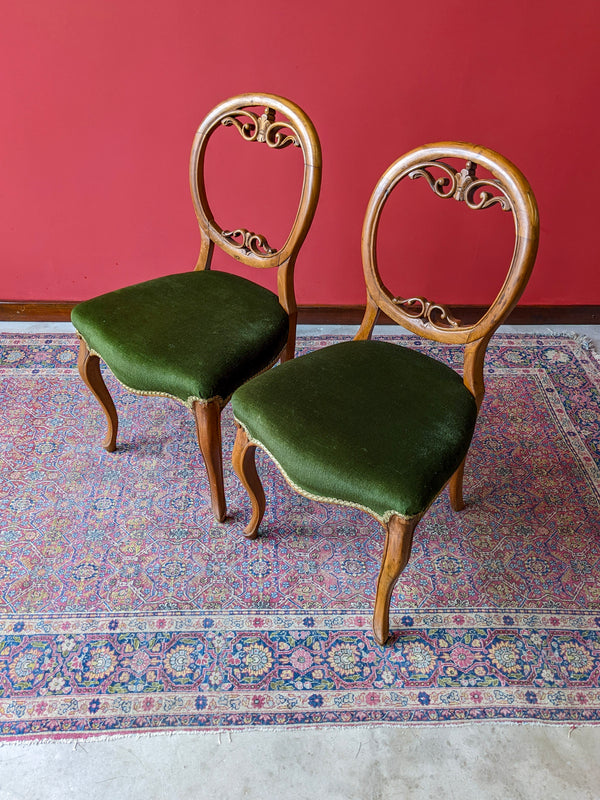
(462, 656)
(301, 659)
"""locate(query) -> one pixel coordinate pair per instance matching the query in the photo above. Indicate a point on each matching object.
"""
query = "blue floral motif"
(508, 620)
(424, 698)
(18, 627)
(207, 622)
(94, 706)
(531, 697)
(315, 700)
(201, 702)
(407, 621)
(308, 622)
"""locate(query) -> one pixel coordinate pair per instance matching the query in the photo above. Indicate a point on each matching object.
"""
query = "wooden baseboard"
(60, 311)
(36, 311)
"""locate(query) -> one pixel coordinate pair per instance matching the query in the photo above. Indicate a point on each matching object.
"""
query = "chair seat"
(174, 335)
(368, 423)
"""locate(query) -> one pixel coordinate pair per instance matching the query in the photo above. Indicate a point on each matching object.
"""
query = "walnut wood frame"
(293, 128)
(508, 189)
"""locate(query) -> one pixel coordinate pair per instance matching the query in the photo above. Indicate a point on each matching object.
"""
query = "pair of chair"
(368, 424)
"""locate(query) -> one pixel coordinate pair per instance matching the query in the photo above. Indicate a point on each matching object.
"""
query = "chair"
(198, 335)
(375, 425)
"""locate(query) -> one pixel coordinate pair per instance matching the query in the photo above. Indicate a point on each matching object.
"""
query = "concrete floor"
(470, 761)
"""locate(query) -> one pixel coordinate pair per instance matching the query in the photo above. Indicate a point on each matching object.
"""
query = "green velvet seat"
(369, 423)
(174, 335)
(378, 425)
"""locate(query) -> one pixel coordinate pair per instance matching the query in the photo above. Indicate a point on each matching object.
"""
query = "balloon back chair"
(198, 335)
(379, 426)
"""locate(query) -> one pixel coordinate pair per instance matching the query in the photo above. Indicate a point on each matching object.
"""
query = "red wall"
(100, 100)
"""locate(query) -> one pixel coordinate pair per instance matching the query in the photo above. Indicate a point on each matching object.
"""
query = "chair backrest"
(507, 190)
(276, 123)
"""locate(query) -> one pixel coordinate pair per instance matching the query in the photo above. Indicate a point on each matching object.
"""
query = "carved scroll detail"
(434, 314)
(437, 184)
(485, 199)
(249, 242)
(463, 185)
(263, 129)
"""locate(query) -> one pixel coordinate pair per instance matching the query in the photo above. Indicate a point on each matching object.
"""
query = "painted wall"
(100, 100)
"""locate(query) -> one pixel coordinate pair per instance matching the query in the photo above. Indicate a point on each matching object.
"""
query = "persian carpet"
(126, 607)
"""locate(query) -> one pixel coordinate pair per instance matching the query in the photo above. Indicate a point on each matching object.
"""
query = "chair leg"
(455, 488)
(398, 542)
(290, 348)
(208, 429)
(244, 453)
(89, 369)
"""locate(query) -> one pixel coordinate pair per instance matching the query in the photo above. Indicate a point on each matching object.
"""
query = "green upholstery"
(368, 423)
(194, 335)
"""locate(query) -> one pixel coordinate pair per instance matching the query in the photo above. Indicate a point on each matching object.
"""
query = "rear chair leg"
(455, 488)
(89, 369)
(244, 464)
(398, 542)
(208, 429)
(290, 348)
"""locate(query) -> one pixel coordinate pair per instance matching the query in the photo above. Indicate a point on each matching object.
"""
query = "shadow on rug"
(125, 607)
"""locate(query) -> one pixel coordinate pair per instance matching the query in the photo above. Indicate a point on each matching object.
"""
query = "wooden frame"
(506, 189)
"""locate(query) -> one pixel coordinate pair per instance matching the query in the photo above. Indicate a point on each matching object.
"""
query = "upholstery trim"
(383, 519)
(189, 403)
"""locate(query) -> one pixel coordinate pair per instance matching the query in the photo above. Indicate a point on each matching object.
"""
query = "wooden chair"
(375, 425)
(198, 335)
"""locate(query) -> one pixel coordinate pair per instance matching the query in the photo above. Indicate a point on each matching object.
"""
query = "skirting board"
(334, 315)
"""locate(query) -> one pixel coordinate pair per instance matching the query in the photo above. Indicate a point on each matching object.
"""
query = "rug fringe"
(585, 343)
(224, 735)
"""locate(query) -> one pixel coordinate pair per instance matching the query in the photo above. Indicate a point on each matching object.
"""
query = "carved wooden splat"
(249, 242)
(263, 129)
(463, 185)
(434, 314)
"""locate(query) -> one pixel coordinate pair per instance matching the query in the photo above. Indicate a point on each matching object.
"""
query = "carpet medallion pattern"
(125, 607)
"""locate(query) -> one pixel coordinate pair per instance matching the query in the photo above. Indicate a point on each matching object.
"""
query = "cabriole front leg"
(244, 464)
(398, 542)
(208, 428)
(89, 369)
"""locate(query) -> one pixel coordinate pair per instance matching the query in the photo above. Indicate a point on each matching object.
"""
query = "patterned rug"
(125, 607)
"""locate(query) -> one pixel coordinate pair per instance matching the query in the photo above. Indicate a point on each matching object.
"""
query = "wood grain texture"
(396, 552)
(208, 429)
(244, 465)
(89, 370)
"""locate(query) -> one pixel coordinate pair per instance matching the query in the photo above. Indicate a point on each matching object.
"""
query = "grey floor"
(471, 761)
